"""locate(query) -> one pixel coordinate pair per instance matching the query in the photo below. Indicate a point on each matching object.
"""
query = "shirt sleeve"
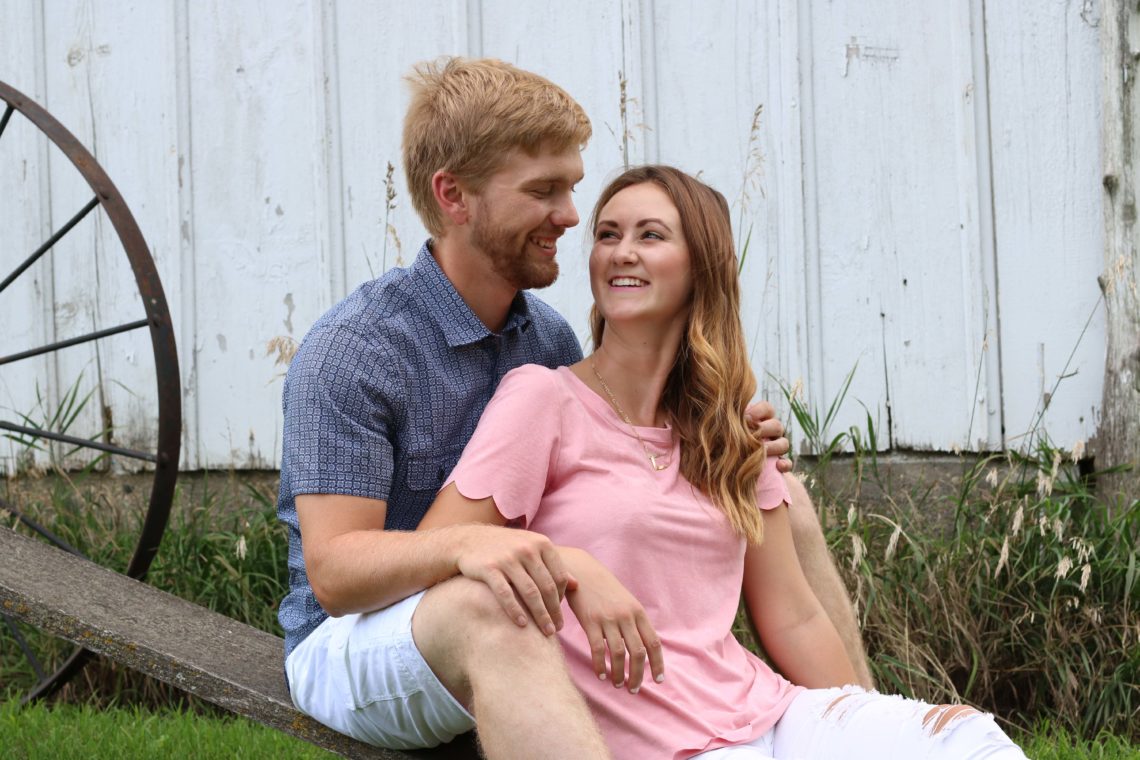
(514, 450)
(340, 401)
(771, 490)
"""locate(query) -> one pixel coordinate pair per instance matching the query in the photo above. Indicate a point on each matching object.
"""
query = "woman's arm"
(515, 565)
(793, 626)
(611, 617)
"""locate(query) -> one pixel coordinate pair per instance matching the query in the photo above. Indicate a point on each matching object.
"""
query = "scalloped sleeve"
(514, 451)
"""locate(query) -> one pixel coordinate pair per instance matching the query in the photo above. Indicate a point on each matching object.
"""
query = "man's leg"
(823, 577)
(512, 679)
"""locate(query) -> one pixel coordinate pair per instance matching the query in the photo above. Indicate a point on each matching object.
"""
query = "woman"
(639, 458)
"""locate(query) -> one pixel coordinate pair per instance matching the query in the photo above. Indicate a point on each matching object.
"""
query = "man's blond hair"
(467, 115)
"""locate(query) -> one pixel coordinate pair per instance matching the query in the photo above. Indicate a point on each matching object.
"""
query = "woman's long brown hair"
(711, 381)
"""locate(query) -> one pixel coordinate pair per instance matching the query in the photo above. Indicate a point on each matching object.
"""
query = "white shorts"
(363, 676)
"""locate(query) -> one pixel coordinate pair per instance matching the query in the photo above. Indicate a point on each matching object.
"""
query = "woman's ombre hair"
(711, 381)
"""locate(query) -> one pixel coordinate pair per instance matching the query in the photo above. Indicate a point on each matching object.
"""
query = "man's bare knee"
(459, 613)
(461, 617)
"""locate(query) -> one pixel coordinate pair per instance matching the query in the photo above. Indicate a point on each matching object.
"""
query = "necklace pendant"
(653, 462)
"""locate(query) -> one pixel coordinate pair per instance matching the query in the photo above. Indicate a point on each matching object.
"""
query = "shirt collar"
(447, 308)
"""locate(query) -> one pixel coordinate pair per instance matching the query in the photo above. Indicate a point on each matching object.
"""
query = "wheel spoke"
(59, 542)
(86, 443)
(50, 242)
(7, 115)
(73, 341)
(29, 655)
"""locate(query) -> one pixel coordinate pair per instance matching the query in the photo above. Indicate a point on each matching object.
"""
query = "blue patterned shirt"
(383, 394)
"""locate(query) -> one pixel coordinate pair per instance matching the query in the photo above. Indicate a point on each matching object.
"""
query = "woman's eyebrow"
(653, 220)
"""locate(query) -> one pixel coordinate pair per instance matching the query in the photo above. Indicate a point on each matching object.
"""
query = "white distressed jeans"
(860, 725)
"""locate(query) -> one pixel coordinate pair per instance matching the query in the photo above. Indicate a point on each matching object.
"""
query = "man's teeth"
(626, 282)
(546, 243)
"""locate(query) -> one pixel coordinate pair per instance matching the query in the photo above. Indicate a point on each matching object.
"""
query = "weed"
(57, 420)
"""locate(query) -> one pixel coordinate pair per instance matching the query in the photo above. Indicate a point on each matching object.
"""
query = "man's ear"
(453, 198)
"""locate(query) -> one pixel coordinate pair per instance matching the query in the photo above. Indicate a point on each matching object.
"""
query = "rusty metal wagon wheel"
(161, 460)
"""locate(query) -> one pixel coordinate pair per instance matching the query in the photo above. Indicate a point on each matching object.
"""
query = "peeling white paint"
(252, 149)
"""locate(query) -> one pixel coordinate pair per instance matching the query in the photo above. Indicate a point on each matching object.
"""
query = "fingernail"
(601, 676)
(521, 620)
(660, 678)
(634, 691)
(549, 629)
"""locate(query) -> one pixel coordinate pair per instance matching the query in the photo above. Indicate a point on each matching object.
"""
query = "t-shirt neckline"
(585, 394)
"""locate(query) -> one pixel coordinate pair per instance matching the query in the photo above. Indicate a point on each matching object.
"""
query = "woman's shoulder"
(533, 380)
(530, 374)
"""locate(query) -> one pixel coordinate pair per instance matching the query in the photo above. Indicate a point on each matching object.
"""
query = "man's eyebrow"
(554, 179)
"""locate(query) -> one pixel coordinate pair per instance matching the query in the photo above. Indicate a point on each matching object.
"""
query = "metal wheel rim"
(160, 327)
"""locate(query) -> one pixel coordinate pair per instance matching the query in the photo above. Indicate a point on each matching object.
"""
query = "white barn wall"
(921, 192)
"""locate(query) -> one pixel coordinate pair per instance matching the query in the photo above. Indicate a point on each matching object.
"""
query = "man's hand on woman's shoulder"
(762, 416)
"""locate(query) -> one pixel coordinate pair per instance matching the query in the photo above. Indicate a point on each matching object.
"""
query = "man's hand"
(613, 619)
(521, 568)
(762, 416)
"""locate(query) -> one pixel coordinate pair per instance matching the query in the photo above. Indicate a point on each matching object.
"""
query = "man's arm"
(354, 565)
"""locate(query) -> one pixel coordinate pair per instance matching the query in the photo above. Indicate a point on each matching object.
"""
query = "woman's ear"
(452, 197)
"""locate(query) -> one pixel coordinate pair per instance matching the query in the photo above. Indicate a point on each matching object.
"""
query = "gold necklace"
(621, 413)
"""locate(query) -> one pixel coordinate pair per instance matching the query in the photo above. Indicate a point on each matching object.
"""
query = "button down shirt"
(383, 394)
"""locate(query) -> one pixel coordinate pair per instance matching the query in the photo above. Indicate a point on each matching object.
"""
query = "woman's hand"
(613, 619)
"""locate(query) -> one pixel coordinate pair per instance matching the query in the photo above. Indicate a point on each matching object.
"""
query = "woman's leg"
(852, 723)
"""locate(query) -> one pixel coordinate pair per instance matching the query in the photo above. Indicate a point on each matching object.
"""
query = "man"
(379, 401)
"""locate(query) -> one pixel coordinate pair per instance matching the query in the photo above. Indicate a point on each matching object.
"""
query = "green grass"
(64, 732)
(1059, 744)
(79, 732)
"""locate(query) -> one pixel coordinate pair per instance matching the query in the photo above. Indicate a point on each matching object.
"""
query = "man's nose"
(565, 215)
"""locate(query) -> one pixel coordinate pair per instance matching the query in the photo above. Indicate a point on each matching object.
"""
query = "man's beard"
(510, 261)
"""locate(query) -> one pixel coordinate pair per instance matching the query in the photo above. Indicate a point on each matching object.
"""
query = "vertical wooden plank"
(109, 83)
(892, 150)
(782, 319)
(1045, 93)
(26, 222)
(186, 295)
(257, 192)
(380, 232)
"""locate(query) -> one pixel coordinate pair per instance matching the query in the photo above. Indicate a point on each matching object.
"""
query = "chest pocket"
(427, 473)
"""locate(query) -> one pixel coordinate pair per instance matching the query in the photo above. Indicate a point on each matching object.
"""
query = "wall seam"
(188, 286)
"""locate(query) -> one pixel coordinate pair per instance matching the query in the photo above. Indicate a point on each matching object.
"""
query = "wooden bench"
(206, 654)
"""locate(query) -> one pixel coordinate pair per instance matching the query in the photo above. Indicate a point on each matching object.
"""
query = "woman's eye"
(653, 235)
(605, 235)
